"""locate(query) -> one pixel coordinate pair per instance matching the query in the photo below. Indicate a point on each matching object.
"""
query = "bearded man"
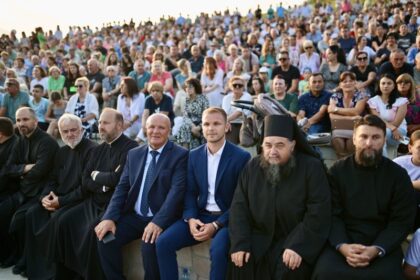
(61, 192)
(373, 210)
(30, 161)
(280, 213)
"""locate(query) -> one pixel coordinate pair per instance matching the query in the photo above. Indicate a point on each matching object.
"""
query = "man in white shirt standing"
(213, 170)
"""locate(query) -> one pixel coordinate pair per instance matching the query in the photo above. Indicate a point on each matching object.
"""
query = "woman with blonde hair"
(164, 77)
(56, 80)
(310, 58)
(407, 88)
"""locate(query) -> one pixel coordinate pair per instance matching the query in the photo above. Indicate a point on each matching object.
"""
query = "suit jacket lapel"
(224, 161)
(202, 169)
(163, 157)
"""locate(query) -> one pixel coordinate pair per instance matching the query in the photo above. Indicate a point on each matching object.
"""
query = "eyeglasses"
(190, 86)
(328, 34)
(11, 84)
(80, 86)
(308, 47)
(237, 85)
(283, 58)
(362, 58)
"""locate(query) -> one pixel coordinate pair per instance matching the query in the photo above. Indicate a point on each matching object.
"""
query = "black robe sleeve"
(239, 218)
(309, 236)
(401, 214)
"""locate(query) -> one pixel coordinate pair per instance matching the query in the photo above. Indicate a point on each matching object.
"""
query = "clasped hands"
(50, 202)
(358, 255)
(201, 231)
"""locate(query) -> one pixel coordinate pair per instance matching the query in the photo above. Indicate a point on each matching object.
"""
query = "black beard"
(276, 172)
(368, 160)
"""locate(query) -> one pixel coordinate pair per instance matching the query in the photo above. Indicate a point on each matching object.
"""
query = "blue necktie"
(144, 208)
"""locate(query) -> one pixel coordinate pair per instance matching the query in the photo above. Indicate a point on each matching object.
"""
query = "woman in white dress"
(212, 82)
(130, 104)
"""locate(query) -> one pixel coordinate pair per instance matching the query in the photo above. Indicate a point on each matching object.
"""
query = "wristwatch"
(335, 109)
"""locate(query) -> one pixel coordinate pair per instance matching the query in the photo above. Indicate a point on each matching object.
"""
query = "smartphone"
(405, 140)
(109, 236)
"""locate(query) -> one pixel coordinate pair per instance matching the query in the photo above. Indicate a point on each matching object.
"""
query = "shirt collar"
(149, 149)
(116, 138)
(219, 152)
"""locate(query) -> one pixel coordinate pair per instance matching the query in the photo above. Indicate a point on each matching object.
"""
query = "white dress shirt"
(137, 206)
(213, 161)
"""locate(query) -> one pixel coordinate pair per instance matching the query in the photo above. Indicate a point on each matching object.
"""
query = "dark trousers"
(178, 236)
(130, 227)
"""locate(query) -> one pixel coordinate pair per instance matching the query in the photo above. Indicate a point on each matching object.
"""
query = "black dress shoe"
(18, 269)
(11, 261)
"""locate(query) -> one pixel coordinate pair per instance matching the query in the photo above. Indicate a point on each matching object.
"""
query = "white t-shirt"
(412, 256)
(406, 163)
(229, 109)
(385, 113)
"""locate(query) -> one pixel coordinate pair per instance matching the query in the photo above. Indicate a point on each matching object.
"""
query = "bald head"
(158, 128)
(111, 124)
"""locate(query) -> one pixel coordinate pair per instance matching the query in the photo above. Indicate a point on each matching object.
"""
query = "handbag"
(344, 124)
(248, 136)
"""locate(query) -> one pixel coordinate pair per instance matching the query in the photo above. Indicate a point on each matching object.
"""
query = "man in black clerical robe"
(30, 161)
(60, 193)
(280, 214)
(74, 247)
(373, 210)
(8, 138)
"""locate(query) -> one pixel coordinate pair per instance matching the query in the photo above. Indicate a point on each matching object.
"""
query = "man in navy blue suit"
(213, 170)
(147, 200)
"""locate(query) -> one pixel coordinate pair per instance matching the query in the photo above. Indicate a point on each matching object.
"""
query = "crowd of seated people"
(329, 67)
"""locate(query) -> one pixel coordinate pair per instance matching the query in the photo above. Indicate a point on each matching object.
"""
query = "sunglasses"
(404, 82)
(283, 59)
(237, 85)
(308, 47)
(362, 58)
(79, 86)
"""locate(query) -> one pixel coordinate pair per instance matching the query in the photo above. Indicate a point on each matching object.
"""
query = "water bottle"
(185, 275)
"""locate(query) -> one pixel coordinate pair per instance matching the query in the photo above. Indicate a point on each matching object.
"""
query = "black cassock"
(75, 242)
(6, 183)
(265, 219)
(370, 206)
(65, 181)
(5, 153)
(38, 149)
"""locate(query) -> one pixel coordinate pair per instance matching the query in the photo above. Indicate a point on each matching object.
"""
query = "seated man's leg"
(303, 272)
(8, 246)
(37, 265)
(219, 251)
(316, 128)
(130, 227)
(171, 240)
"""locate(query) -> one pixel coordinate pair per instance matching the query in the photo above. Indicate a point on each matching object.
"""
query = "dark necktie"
(144, 208)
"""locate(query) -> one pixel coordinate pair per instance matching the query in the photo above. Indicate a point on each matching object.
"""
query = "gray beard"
(275, 172)
(76, 142)
(368, 160)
